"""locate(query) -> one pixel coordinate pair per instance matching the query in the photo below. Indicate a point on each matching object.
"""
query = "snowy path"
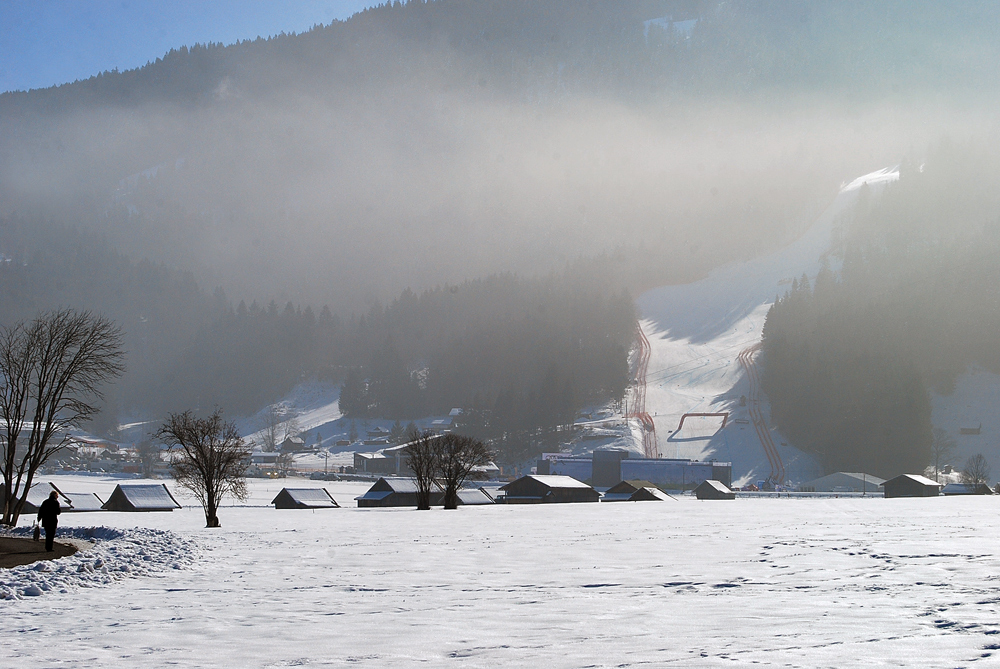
(813, 583)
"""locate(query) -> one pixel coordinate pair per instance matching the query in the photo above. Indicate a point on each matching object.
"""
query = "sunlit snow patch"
(882, 176)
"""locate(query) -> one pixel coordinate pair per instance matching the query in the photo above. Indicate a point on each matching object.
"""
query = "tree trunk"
(451, 497)
(423, 500)
(211, 515)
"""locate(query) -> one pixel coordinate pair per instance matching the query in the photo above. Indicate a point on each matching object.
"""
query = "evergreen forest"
(850, 360)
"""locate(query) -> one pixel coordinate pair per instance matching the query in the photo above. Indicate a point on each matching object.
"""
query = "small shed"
(293, 445)
(911, 485)
(535, 489)
(304, 498)
(141, 497)
(396, 491)
(634, 491)
(966, 489)
(712, 489)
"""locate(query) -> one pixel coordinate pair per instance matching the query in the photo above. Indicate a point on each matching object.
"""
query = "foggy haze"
(420, 145)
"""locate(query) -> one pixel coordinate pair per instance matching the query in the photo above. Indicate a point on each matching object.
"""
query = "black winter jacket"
(48, 512)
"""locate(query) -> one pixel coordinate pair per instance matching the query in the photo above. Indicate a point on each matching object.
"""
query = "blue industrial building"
(606, 468)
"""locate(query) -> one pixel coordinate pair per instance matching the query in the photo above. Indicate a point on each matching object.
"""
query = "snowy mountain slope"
(696, 333)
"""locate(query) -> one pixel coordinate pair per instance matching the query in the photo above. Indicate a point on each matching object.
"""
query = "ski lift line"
(649, 443)
(760, 426)
(753, 415)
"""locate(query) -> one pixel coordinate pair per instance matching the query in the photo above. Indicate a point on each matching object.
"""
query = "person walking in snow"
(48, 516)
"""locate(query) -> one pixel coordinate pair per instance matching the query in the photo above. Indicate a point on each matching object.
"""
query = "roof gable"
(307, 497)
(142, 497)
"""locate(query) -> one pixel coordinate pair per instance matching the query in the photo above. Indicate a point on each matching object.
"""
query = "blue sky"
(49, 42)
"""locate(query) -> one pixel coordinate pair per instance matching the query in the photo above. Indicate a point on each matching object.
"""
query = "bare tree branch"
(212, 459)
(458, 456)
(422, 459)
(53, 371)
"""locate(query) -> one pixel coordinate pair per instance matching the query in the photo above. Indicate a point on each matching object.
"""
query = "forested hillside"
(849, 362)
(488, 136)
(591, 150)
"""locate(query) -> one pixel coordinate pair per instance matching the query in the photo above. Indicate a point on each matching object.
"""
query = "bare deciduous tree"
(53, 370)
(270, 430)
(284, 462)
(149, 456)
(976, 471)
(942, 448)
(422, 459)
(212, 460)
(458, 456)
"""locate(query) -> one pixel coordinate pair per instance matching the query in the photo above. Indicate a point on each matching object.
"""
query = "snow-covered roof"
(657, 493)
(556, 481)
(375, 494)
(401, 484)
(472, 496)
(310, 497)
(922, 480)
(141, 497)
(966, 489)
(84, 501)
(717, 485)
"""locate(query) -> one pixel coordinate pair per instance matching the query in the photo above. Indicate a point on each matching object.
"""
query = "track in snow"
(759, 424)
(650, 447)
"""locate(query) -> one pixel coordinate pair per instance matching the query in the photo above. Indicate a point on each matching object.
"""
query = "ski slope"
(696, 334)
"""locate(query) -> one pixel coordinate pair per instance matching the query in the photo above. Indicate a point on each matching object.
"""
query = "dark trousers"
(50, 535)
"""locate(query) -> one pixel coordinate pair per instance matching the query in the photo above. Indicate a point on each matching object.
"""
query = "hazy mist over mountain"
(637, 143)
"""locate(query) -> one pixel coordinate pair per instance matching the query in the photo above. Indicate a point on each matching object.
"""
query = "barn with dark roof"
(911, 485)
(634, 491)
(712, 489)
(396, 491)
(535, 489)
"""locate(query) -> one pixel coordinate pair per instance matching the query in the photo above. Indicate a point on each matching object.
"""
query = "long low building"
(844, 482)
(396, 491)
(402, 491)
(605, 468)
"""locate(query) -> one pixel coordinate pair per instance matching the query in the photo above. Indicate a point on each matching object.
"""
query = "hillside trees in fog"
(527, 351)
(489, 136)
(849, 363)
(531, 348)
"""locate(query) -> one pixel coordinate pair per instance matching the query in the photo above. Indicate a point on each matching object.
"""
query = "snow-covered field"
(810, 583)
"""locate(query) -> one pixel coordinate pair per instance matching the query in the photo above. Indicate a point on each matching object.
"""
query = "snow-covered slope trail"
(696, 335)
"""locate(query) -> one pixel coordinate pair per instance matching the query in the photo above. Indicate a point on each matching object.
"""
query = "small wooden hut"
(911, 485)
(535, 489)
(712, 489)
(141, 497)
(304, 498)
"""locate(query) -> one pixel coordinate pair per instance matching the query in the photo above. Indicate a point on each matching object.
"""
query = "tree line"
(849, 360)
(531, 350)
